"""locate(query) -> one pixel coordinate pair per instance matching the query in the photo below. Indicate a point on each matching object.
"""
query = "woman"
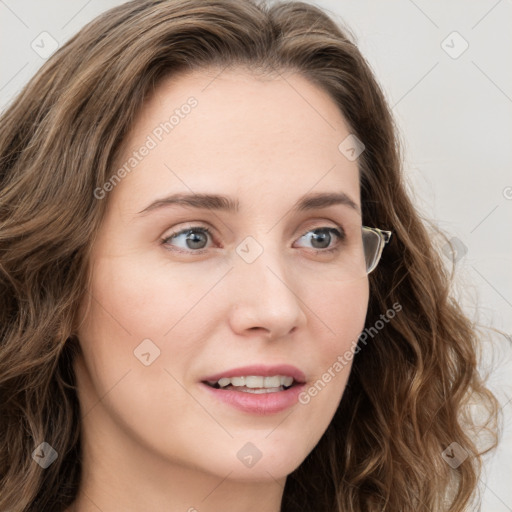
(258, 369)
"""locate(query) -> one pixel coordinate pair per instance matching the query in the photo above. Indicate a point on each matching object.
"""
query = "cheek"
(126, 307)
(143, 299)
(341, 309)
(341, 317)
(131, 302)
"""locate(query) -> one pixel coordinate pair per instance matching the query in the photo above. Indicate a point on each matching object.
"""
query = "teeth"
(260, 391)
(253, 381)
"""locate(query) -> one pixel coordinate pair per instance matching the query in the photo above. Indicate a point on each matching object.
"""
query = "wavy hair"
(411, 388)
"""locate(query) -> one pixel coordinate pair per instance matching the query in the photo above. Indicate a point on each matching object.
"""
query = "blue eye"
(191, 237)
(196, 236)
(325, 233)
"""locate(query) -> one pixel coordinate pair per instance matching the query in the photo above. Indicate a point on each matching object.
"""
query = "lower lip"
(260, 404)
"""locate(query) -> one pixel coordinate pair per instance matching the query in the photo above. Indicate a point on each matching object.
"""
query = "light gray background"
(454, 113)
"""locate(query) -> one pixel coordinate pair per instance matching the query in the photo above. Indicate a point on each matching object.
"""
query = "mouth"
(256, 384)
(256, 394)
(257, 379)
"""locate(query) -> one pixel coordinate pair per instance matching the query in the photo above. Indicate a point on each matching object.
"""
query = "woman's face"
(169, 311)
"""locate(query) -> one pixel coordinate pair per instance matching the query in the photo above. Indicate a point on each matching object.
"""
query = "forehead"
(239, 105)
(244, 133)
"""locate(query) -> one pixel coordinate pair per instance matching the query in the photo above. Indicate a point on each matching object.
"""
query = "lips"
(256, 401)
(285, 370)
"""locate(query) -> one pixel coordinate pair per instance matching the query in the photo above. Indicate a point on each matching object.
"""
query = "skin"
(153, 439)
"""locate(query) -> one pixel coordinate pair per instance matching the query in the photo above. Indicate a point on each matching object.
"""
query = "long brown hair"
(411, 387)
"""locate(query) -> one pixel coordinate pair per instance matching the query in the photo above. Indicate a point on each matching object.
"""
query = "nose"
(265, 297)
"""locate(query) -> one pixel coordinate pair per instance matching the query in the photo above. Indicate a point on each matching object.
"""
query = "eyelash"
(340, 233)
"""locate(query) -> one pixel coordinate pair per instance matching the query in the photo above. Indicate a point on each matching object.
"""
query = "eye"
(192, 239)
(195, 238)
(323, 236)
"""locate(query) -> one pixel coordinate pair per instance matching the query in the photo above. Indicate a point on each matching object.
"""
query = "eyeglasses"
(374, 240)
(357, 257)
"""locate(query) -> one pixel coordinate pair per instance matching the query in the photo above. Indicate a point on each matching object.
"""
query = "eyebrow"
(308, 202)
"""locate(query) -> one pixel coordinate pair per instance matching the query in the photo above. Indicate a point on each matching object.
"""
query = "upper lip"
(261, 370)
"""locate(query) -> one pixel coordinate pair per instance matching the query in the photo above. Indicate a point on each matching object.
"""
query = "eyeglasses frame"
(384, 238)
